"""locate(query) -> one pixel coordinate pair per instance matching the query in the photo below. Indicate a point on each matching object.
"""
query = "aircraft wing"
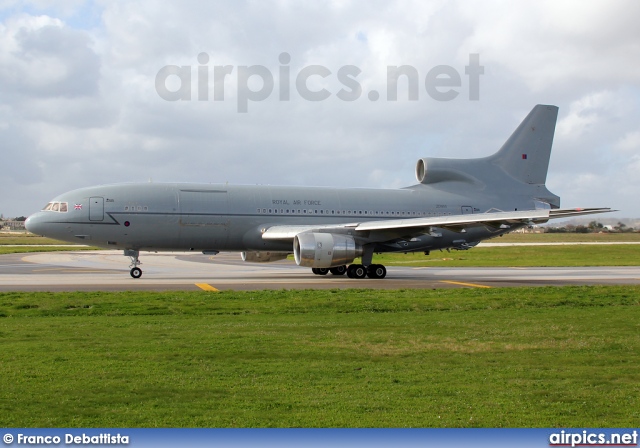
(417, 226)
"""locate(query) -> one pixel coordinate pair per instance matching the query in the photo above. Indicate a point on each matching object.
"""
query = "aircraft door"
(467, 210)
(96, 209)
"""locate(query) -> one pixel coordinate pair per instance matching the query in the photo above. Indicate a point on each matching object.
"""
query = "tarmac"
(109, 271)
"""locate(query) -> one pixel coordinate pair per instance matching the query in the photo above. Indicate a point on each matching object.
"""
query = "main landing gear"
(135, 271)
(338, 270)
(354, 271)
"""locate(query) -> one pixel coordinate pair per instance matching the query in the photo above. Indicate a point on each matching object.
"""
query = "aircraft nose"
(35, 224)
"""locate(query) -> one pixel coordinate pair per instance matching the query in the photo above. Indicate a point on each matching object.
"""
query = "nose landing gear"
(135, 271)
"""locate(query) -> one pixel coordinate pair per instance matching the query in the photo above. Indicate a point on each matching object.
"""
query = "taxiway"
(108, 270)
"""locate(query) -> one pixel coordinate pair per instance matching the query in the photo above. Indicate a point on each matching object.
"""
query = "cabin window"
(64, 207)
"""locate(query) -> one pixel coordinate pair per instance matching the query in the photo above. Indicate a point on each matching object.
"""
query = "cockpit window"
(62, 207)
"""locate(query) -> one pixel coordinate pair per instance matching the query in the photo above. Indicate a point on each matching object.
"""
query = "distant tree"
(620, 227)
(581, 229)
(595, 226)
(21, 218)
(556, 230)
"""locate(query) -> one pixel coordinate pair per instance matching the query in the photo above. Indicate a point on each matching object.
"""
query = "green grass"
(570, 255)
(23, 250)
(25, 238)
(522, 357)
(566, 238)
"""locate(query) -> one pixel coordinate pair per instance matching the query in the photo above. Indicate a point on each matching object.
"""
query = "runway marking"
(473, 285)
(206, 287)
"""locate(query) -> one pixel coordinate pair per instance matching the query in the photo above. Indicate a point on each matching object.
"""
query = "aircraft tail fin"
(518, 168)
(525, 155)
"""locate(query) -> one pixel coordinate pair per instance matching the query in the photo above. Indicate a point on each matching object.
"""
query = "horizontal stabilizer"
(554, 214)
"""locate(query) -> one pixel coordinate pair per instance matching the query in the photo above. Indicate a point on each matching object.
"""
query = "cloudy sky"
(80, 103)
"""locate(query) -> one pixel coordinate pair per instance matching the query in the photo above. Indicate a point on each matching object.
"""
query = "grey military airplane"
(456, 204)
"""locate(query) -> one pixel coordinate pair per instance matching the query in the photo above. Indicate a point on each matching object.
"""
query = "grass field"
(24, 250)
(520, 256)
(521, 357)
(566, 237)
(9, 241)
(25, 238)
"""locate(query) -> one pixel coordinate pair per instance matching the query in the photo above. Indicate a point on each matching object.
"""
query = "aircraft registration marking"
(472, 285)
(206, 287)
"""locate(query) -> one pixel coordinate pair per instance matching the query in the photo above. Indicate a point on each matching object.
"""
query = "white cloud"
(79, 105)
(40, 57)
(629, 144)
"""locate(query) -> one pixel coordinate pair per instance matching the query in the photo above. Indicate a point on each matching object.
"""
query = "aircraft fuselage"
(218, 217)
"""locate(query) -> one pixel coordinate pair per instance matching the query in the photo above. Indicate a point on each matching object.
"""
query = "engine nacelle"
(324, 250)
(432, 170)
(263, 257)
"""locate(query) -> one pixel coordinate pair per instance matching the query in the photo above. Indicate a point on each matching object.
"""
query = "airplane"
(456, 204)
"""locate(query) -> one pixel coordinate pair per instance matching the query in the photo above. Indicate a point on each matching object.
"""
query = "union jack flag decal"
(77, 207)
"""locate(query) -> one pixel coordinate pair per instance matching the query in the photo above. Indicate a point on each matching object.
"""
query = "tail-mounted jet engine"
(263, 257)
(432, 170)
(324, 250)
